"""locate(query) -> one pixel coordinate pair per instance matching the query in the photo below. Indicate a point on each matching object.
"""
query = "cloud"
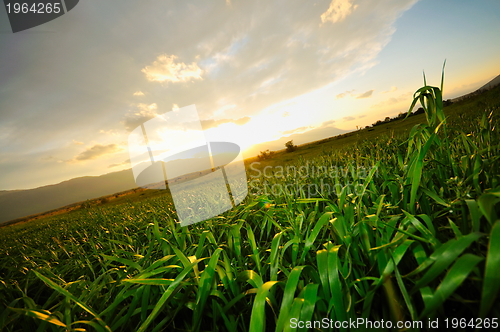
(207, 124)
(141, 114)
(268, 59)
(51, 159)
(77, 142)
(296, 130)
(361, 116)
(344, 94)
(404, 97)
(166, 69)
(97, 151)
(349, 118)
(366, 94)
(393, 88)
(351, 93)
(110, 132)
(125, 162)
(327, 123)
(138, 93)
(338, 11)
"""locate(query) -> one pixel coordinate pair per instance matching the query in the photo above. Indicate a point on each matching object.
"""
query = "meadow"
(400, 223)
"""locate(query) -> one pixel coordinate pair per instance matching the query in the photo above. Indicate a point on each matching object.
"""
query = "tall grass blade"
(453, 279)
(258, 317)
(491, 283)
(73, 298)
(166, 295)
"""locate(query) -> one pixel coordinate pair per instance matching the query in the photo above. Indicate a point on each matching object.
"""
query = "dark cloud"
(344, 94)
(327, 123)
(367, 94)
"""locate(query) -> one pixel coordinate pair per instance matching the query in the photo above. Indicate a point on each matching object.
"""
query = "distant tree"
(290, 147)
(447, 102)
(265, 154)
(85, 205)
(387, 119)
(419, 111)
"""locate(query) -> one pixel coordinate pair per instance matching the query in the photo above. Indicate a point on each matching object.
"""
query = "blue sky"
(71, 90)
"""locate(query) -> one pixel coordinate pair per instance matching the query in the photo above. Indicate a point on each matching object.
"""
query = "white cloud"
(248, 56)
(110, 132)
(392, 89)
(142, 113)
(164, 68)
(138, 93)
(402, 99)
(338, 11)
(96, 151)
(349, 93)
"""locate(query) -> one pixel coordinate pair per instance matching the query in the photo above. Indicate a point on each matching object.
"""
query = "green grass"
(418, 240)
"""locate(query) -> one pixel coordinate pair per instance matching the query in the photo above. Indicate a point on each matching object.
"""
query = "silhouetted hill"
(20, 203)
(491, 84)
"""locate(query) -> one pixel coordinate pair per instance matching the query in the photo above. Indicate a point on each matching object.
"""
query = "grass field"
(408, 229)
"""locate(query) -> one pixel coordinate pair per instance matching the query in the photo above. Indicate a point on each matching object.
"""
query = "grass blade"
(258, 317)
(453, 279)
(73, 298)
(166, 295)
(491, 286)
(441, 259)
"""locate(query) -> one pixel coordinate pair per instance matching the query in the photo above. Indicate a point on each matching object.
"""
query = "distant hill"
(490, 85)
(20, 203)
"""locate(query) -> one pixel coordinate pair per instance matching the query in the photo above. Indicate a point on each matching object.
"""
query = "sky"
(73, 89)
